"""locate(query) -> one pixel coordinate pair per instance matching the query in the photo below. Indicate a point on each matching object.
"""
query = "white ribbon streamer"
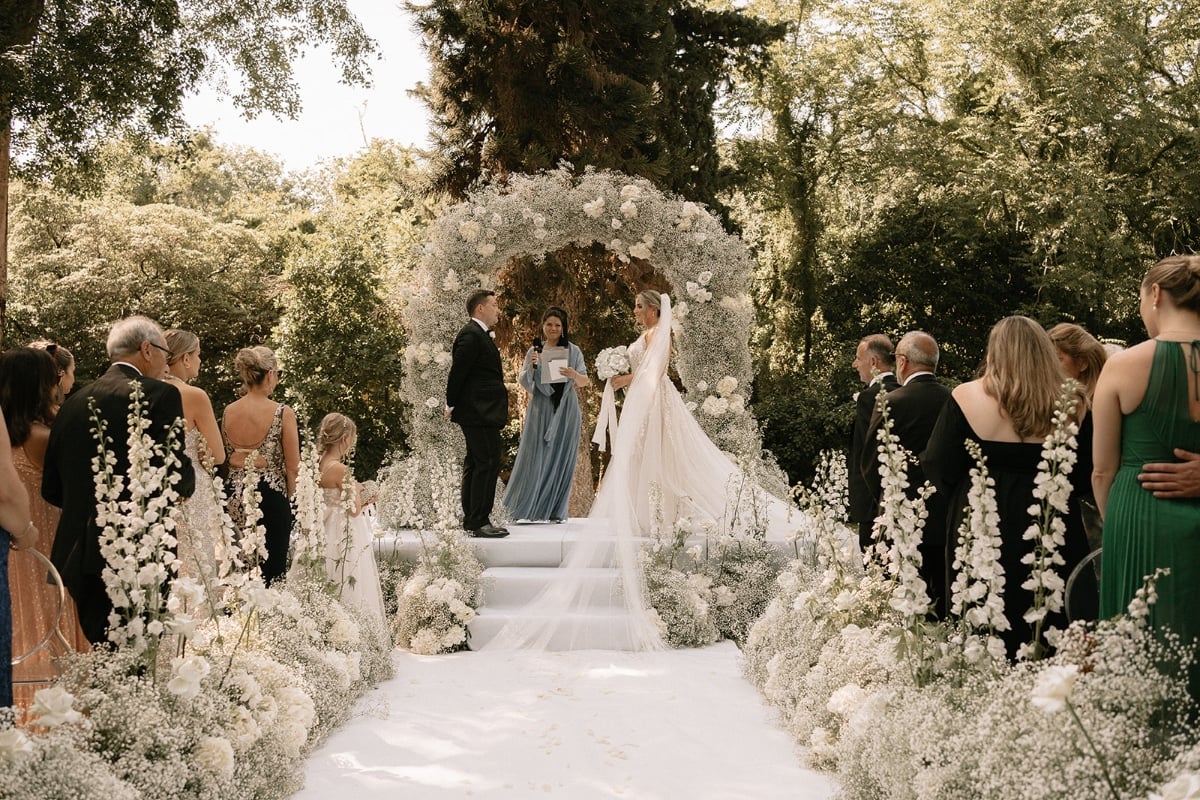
(607, 421)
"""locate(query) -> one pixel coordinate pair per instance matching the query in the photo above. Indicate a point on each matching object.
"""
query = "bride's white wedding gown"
(657, 443)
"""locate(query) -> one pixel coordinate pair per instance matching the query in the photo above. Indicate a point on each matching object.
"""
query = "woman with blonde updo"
(65, 362)
(263, 434)
(1148, 404)
(202, 443)
(349, 538)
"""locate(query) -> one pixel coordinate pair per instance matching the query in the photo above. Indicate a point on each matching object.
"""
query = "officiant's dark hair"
(476, 299)
(555, 311)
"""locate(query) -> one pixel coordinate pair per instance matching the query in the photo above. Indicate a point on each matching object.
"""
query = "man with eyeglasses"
(138, 351)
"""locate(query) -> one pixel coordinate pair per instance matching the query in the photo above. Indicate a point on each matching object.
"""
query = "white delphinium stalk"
(338, 576)
(308, 548)
(977, 594)
(137, 516)
(1052, 487)
(252, 538)
(898, 528)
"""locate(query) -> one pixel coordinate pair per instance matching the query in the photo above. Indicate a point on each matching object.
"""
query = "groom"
(477, 400)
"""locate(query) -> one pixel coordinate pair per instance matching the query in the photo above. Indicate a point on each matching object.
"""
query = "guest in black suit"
(875, 361)
(914, 409)
(138, 351)
(477, 400)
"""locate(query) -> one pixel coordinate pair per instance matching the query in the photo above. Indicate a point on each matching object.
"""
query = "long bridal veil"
(658, 445)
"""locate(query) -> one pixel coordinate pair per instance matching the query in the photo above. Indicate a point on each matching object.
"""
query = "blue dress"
(540, 485)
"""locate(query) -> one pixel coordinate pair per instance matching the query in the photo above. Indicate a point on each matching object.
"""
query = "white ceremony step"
(596, 630)
(515, 587)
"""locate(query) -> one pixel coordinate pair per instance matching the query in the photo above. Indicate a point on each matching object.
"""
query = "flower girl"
(349, 555)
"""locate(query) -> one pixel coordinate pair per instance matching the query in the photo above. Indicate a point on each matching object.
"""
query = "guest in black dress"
(1009, 412)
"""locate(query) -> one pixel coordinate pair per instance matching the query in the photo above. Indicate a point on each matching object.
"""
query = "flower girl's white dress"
(350, 555)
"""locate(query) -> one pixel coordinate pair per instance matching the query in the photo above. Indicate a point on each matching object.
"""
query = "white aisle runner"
(579, 724)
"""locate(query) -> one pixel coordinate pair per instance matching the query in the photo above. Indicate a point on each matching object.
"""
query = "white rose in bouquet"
(612, 361)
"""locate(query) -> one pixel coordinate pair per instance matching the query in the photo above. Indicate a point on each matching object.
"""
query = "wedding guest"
(138, 352)
(349, 536)
(1146, 406)
(28, 386)
(914, 409)
(255, 425)
(875, 361)
(540, 485)
(1009, 411)
(65, 362)
(201, 512)
(17, 531)
(1082, 356)
(477, 401)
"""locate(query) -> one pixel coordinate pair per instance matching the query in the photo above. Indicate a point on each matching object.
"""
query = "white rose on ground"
(704, 277)
(53, 707)
(631, 192)
(539, 233)
(615, 223)
(1184, 787)
(629, 209)
(215, 754)
(497, 220)
(454, 637)
(486, 249)
(595, 208)
(640, 250)
(14, 745)
(845, 700)
(432, 403)
(426, 642)
(616, 245)
(726, 385)
(188, 674)
(470, 230)
(1054, 687)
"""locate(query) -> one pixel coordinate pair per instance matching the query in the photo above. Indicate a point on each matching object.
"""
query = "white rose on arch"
(726, 385)
(631, 192)
(715, 406)
(704, 277)
(452, 283)
(595, 208)
(640, 250)
(486, 249)
(616, 224)
(470, 230)
(629, 209)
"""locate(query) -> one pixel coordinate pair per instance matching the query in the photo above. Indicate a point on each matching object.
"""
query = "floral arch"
(532, 215)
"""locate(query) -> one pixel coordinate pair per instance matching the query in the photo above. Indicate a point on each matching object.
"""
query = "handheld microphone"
(537, 345)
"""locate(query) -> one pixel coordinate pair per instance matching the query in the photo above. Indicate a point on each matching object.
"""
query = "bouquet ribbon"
(606, 423)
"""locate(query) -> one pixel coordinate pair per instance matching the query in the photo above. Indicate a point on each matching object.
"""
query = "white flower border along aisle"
(532, 215)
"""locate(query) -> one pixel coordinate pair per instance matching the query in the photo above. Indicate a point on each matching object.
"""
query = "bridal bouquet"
(612, 361)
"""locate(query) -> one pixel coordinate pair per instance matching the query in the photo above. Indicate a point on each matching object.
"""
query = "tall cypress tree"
(519, 85)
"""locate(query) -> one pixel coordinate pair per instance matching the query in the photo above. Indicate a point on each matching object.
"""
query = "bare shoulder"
(333, 474)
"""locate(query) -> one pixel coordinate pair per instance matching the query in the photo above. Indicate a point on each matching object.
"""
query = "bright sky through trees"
(336, 119)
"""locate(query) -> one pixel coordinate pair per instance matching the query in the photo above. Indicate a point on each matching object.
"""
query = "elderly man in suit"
(477, 400)
(914, 409)
(875, 361)
(138, 351)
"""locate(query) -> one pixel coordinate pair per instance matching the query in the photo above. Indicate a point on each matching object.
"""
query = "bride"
(657, 443)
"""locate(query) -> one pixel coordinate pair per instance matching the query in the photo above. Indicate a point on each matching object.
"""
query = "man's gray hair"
(921, 349)
(126, 336)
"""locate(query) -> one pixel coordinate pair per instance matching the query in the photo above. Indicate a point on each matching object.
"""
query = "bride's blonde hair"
(334, 428)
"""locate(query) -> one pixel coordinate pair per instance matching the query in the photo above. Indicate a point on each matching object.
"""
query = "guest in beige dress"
(44, 618)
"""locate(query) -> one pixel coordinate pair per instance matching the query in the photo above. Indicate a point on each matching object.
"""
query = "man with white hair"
(138, 351)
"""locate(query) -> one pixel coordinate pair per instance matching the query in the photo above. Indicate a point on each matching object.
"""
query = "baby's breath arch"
(531, 215)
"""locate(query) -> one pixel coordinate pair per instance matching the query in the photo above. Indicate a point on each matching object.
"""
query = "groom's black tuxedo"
(68, 481)
(478, 399)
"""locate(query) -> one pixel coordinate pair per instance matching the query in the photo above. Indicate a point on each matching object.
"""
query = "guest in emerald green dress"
(1146, 405)
(540, 486)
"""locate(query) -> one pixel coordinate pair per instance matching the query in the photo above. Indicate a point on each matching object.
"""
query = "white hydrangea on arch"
(532, 215)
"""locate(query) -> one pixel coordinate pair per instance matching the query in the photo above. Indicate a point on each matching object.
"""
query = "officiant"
(554, 368)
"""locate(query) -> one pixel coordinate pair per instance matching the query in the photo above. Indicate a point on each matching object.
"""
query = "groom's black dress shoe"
(490, 532)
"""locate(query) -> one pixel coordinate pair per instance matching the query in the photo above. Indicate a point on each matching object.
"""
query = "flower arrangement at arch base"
(211, 691)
